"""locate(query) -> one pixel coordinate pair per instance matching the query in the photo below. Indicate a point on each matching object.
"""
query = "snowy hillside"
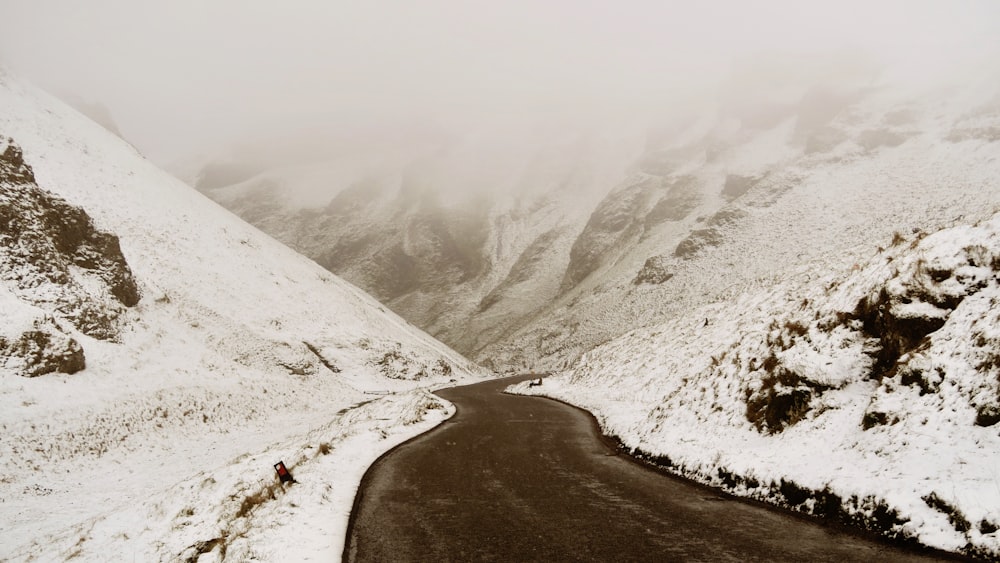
(524, 258)
(465, 237)
(744, 204)
(870, 396)
(159, 355)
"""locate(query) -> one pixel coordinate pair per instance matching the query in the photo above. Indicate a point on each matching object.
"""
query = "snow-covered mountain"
(790, 296)
(869, 395)
(465, 237)
(798, 194)
(526, 257)
(158, 355)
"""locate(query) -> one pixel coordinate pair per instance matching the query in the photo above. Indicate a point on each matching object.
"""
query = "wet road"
(513, 478)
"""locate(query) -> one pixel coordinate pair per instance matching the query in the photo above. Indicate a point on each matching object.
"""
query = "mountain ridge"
(194, 349)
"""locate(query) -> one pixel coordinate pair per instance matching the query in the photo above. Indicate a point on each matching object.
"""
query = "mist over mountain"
(757, 240)
(524, 251)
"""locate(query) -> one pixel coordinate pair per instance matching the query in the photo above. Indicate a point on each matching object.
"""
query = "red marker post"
(283, 473)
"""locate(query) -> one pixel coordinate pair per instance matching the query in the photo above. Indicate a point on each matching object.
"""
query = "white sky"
(190, 76)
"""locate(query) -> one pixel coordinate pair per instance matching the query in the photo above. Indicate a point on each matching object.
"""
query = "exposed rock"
(40, 349)
(53, 257)
(918, 300)
(615, 220)
(696, 241)
(726, 216)
(683, 198)
(782, 400)
(654, 271)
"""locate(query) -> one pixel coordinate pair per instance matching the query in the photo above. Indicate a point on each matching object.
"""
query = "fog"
(193, 77)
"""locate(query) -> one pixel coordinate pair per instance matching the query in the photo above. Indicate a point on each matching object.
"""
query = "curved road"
(512, 478)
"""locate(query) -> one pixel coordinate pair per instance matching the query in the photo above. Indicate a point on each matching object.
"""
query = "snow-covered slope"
(208, 350)
(525, 258)
(718, 301)
(870, 395)
(767, 199)
(464, 237)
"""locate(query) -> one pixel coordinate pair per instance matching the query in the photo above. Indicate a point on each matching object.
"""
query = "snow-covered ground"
(240, 353)
(868, 394)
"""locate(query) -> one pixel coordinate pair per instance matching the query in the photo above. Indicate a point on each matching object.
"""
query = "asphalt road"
(516, 479)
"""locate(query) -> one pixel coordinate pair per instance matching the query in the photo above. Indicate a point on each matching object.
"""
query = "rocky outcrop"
(54, 259)
(654, 271)
(40, 348)
(696, 241)
(617, 220)
(683, 197)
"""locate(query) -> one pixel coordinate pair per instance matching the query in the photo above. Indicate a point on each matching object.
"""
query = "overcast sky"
(191, 76)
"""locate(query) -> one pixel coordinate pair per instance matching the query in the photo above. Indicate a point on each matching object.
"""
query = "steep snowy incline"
(464, 238)
(784, 198)
(870, 396)
(526, 252)
(235, 352)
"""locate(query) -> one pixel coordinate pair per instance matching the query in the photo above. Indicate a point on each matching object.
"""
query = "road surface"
(512, 478)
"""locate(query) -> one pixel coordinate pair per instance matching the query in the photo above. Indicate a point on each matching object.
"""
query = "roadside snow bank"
(870, 395)
(239, 511)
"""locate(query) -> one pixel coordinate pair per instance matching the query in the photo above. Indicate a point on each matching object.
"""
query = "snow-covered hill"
(465, 237)
(160, 354)
(871, 396)
(765, 202)
(526, 257)
(821, 337)
(718, 301)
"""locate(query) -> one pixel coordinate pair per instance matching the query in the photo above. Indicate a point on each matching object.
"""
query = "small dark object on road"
(535, 383)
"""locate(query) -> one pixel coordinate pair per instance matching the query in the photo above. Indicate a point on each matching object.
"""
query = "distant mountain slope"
(771, 201)
(527, 262)
(170, 341)
(870, 395)
(465, 240)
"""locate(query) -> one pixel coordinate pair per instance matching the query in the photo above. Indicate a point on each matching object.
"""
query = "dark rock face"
(654, 271)
(53, 258)
(897, 334)
(727, 216)
(889, 316)
(621, 218)
(696, 241)
(682, 198)
(42, 349)
(628, 215)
